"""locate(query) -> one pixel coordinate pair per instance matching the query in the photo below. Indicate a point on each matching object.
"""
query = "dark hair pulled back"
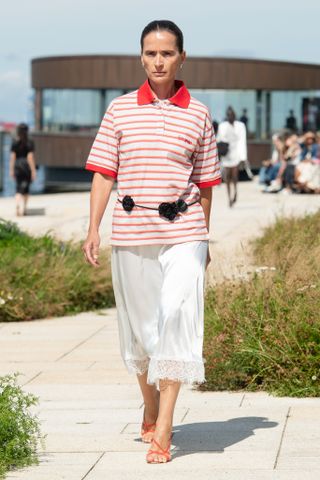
(22, 133)
(158, 25)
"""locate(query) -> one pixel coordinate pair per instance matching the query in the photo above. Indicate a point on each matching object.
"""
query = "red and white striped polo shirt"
(159, 151)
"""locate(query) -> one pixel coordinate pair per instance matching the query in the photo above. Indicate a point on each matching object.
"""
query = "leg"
(151, 398)
(169, 391)
(137, 280)
(25, 198)
(248, 169)
(234, 179)
(227, 179)
(177, 358)
(19, 204)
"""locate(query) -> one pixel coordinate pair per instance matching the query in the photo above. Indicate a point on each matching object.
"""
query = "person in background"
(309, 146)
(270, 167)
(307, 176)
(307, 173)
(233, 133)
(215, 126)
(292, 156)
(291, 122)
(244, 118)
(22, 167)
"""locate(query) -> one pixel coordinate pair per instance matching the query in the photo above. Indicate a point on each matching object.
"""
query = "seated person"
(292, 156)
(307, 176)
(309, 146)
(270, 167)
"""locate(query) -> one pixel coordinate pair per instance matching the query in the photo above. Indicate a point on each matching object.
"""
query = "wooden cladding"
(62, 150)
(125, 72)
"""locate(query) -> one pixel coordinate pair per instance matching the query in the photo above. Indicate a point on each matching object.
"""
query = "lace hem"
(137, 366)
(176, 370)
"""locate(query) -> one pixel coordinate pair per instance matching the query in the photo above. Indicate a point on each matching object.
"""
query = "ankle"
(164, 427)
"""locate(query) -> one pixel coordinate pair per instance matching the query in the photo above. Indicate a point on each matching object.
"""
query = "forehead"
(160, 40)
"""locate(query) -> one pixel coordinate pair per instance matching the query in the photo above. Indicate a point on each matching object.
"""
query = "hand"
(90, 248)
(12, 174)
(33, 175)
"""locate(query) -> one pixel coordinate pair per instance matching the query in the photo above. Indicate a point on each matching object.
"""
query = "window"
(71, 110)
(219, 100)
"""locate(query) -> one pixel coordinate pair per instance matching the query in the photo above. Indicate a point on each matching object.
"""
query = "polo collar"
(181, 98)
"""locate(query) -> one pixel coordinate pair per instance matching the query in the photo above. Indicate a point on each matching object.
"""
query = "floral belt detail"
(168, 210)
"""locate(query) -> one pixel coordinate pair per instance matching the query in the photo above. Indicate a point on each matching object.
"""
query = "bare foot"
(150, 416)
(159, 452)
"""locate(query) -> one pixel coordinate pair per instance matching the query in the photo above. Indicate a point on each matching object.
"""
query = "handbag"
(223, 148)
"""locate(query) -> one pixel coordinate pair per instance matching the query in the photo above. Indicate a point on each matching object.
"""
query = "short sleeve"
(30, 146)
(206, 168)
(14, 146)
(103, 156)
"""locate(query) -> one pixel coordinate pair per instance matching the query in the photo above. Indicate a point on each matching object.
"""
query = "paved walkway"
(91, 409)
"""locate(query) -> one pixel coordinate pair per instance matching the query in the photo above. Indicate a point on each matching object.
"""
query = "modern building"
(72, 93)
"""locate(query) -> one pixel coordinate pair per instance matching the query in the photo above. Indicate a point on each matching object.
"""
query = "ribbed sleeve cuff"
(210, 183)
(104, 171)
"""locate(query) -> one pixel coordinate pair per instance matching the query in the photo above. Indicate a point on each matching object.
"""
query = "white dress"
(159, 296)
(235, 135)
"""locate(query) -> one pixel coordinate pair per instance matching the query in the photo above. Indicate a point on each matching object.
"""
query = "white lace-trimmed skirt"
(159, 292)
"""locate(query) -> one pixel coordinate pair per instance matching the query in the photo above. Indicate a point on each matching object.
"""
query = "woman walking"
(22, 167)
(233, 133)
(159, 144)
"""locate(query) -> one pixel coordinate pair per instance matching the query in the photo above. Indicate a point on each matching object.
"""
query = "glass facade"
(219, 100)
(267, 111)
(71, 110)
(304, 104)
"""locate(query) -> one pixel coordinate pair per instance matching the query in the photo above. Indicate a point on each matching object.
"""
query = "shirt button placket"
(161, 120)
(158, 115)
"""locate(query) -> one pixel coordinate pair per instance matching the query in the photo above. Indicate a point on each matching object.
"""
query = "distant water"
(8, 183)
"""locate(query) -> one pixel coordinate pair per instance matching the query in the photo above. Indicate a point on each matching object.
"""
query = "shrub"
(42, 277)
(264, 334)
(19, 430)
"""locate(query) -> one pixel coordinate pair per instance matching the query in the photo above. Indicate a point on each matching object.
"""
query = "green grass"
(42, 277)
(19, 429)
(264, 334)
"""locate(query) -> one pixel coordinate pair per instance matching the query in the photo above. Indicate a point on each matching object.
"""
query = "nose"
(158, 62)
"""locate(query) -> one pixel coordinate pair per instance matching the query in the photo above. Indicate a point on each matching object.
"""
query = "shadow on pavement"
(36, 211)
(215, 436)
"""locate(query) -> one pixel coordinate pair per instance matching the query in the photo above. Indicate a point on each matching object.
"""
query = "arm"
(32, 165)
(243, 142)
(99, 197)
(205, 201)
(11, 164)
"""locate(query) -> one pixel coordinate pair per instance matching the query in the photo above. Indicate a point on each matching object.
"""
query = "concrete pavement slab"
(58, 466)
(212, 465)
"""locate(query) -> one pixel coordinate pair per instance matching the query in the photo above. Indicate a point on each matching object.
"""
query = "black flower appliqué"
(168, 210)
(128, 203)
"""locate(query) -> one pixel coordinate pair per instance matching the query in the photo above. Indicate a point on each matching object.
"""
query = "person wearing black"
(22, 167)
(291, 122)
(244, 118)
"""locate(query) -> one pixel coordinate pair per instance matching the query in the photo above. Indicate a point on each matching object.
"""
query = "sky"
(274, 29)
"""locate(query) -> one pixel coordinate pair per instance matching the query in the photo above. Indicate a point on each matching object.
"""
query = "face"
(160, 57)
(230, 116)
(309, 139)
